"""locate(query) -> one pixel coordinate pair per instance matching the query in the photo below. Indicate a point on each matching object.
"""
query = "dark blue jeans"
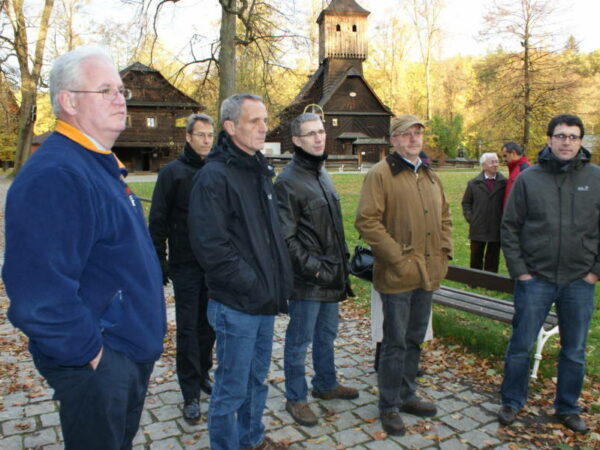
(244, 343)
(574, 307)
(99, 409)
(195, 337)
(405, 319)
(316, 323)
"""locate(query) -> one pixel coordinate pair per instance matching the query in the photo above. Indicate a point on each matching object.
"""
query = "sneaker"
(418, 407)
(345, 392)
(573, 422)
(507, 415)
(191, 411)
(301, 413)
(392, 423)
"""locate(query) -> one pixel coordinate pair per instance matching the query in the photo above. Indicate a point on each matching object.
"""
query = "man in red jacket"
(517, 162)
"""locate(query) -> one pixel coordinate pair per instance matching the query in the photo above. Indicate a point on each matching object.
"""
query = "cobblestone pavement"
(29, 418)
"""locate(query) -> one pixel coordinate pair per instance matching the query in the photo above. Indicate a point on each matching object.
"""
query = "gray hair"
(302, 118)
(193, 118)
(486, 156)
(232, 106)
(66, 71)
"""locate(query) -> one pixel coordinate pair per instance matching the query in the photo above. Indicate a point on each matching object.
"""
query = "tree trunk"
(29, 79)
(227, 51)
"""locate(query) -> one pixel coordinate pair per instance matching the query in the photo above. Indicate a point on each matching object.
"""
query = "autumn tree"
(425, 16)
(248, 27)
(523, 85)
(16, 44)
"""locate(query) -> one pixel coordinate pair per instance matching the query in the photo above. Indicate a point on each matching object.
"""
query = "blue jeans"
(405, 320)
(574, 307)
(99, 409)
(315, 322)
(244, 343)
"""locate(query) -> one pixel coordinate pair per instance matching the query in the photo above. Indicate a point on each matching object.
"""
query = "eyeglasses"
(203, 135)
(406, 134)
(108, 93)
(313, 134)
(564, 137)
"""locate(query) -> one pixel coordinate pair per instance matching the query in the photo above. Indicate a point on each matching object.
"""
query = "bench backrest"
(480, 279)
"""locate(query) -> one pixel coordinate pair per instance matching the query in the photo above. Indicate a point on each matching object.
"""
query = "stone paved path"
(29, 419)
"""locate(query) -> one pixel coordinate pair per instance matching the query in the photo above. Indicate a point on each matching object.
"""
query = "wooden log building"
(156, 119)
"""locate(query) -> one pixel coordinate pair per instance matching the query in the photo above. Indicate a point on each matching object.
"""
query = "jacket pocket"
(329, 272)
(404, 273)
(113, 315)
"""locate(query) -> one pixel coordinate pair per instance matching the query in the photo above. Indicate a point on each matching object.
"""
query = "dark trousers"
(99, 409)
(485, 255)
(405, 320)
(195, 336)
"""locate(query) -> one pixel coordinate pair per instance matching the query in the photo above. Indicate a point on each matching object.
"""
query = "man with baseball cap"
(404, 216)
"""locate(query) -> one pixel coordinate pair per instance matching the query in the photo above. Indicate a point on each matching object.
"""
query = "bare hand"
(94, 362)
(591, 278)
(524, 277)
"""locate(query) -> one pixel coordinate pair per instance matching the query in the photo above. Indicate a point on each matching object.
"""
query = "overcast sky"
(461, 21)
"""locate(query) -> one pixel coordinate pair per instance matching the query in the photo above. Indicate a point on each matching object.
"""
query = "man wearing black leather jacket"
(311, 218)
(168, 222)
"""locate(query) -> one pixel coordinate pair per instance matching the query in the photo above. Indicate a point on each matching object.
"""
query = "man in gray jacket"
(482, 208)
(551, 238)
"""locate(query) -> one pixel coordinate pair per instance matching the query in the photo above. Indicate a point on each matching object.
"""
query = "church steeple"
(343, 31)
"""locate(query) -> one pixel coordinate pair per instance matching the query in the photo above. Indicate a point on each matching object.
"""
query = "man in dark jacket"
(236, 237)
(517, 162)
(551, 242)
(311, 219)
(482, 208)
(168, 222)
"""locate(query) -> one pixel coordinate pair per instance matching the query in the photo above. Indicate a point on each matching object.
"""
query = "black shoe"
(418, 407)
(191, 411)
(205, 385)
(392, 423)
(573, 422)
(507, 415)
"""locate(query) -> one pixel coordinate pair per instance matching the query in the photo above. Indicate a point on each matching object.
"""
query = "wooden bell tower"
(343, 41)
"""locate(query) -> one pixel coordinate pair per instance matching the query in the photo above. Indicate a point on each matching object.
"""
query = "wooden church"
(156, 119)
(356, 121)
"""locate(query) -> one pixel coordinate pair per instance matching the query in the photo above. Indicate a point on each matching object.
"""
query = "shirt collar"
(415, 166)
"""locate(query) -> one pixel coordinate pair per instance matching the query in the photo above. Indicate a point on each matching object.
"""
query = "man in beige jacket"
(404, 216)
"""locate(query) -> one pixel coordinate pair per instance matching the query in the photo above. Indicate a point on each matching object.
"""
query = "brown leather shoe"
(345, 392)
(301, 413)
(268, 444)
(392, 423)
(418, 407)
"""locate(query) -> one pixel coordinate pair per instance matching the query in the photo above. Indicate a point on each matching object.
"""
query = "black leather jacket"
(311, 219)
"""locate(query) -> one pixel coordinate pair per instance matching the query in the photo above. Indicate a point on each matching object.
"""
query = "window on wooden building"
(150, 122)
(128, 121)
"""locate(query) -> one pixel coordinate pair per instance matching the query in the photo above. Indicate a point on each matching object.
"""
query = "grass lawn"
(484, 336)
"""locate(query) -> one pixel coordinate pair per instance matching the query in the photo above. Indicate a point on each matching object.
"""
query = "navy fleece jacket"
(80, 269)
